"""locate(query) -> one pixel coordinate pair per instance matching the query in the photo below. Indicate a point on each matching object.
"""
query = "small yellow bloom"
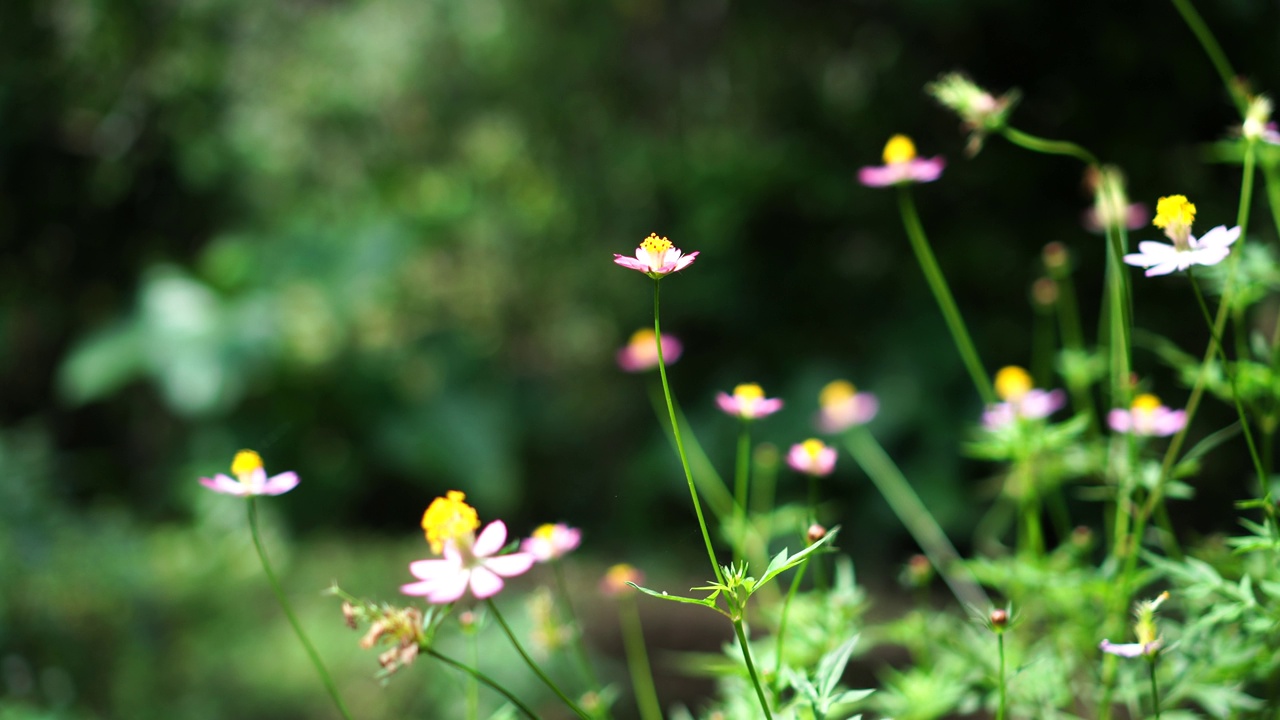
(1174, 209)
(836, 392)
(245, 463)
(448, 518)
(1012, 383)
(898, 150)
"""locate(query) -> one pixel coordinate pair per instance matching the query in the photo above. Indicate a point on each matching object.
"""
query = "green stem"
(1231, 378)
(675, 428)
(782, 622)
(1048, 147)
(751, 667)
(329, 685)
(942, 293)
(579, 644)
(481, 677)
(1119, 318)
(742, 471)
(1000, 713)
(638, 660)
(473, 683)
(819, 576)
(906, 504)
(493, 607)
(709, 482)
(1155, 689)
(1214, 51)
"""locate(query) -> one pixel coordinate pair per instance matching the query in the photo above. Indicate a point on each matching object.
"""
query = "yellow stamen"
(748, 392)
(836, 392)
(656, 245)
(245, 463)
(812, 447)
(1146, 402)
(545, 532)
(643, 340)
(448, 518)
(1012, 383)
(898, 150)
(1174, 210)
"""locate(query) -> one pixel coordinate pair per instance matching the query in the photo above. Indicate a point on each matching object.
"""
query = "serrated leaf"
(706, 602)
(831, 666)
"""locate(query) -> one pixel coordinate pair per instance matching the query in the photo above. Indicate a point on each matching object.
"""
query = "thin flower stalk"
(942, 293)
(314, 656)
(915, 517)
(741, 479)
(1030, 142)
(675, 429)
(1213, 50)
(571, 617)
(493, 607)
(740, 630)
(782, 623)
(638, 659)
(480, 677)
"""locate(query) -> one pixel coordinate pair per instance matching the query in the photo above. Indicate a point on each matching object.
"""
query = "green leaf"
(775, 569)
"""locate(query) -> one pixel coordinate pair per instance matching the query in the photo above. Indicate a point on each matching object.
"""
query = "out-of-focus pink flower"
(468, 565)
(901, 166)
(842, 407)
(748, 402)
(250, 478)
(1146, 416)
(549, 542)
(1021, 400)
(1130, 650)
(614, 582)
(656, 257)
(641, 352)
(812, 457)
(1134, 217)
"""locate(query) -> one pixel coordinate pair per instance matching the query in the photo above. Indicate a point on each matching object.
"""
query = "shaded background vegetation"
(372, 241)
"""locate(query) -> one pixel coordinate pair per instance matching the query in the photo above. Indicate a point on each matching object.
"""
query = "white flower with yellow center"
(656, 257)
(1174, 215)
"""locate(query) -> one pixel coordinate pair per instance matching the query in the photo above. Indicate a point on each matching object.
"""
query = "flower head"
(748, 402)
(1146, 416)
(466, 564)
(549, 542)
(1021, 399)
(842, 407)
(812, 457)
(614, 582)
(901, 166)
(1257, 122)
(1111, 206)
(449, 518)
(641, 352)
(979, 111)
(1144, 627)
(250, 478)
(656, 257)
(1174, 215)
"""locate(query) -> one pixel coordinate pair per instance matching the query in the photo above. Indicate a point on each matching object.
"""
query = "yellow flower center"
(448, 518)
(1012, 383)
(1174, 208)
(656, 245)
(748, 392)
(899, 150)
(643, 340)
(836, 392)
(1146, 402)
(246, 463)
(545, 532)
(812, 447)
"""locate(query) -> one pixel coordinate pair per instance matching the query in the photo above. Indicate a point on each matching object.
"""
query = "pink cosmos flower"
(549, 542)
(1134, 217)
(748, 402)
(641, 352)
(251, 478)
(842, 407)
(614, 582)
(901, 166)
(1147, 417)
(656, 257)
(812, 457)
(465, 564)
(1021, 400)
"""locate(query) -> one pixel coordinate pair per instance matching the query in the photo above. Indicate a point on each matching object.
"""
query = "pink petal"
(280, 484)
(433, 569)
(1168, 422)
(880, 175)
(223, 484)
(925, 169)
(511, 564)
(767, 406)
(450, 588)
(631, 263)
(491, 539)
(1120, 420)
(484, 583)
(727, 403)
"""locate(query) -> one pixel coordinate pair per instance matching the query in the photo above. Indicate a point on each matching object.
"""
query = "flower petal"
(1218, 237)
(631, 263)
(1120, 420)
(280, 484)
(484, 583)
(491, 539)
(511, 564)
(223, 484)
(449, 588)
(433, 569)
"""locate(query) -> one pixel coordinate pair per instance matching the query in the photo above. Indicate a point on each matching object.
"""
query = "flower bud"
(816, 532)
(999, 619)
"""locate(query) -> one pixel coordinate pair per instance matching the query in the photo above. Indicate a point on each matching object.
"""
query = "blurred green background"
(372, 240)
